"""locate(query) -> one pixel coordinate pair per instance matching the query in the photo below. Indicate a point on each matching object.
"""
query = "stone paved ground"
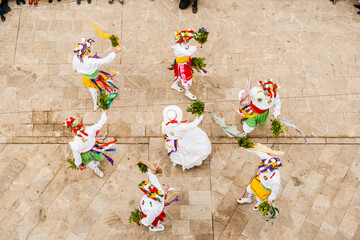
(311, 49)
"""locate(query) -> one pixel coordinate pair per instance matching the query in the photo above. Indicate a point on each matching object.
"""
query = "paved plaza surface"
(310, 48)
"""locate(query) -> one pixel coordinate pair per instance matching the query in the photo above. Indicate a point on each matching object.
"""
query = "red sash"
(256, 109)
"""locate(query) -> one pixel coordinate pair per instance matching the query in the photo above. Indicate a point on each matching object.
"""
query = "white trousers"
(247, 129)
(92, 165)
(251, 195)
(94, 95)
(185, 85)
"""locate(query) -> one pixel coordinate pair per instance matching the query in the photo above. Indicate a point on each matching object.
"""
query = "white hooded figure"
(152, 209)
(81, 146)
(88, 66)
(267, 183)
(183, 72)
(187, 145)
(258, 100)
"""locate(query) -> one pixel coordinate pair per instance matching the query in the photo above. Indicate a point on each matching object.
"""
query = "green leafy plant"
(196, 108)
(135, 216)
(267, 209)
(142, 167)
(103, 99)
(201, 36)
(245, 142)
(114, 40)
(277, 128)
(71, 161)
(198, 63)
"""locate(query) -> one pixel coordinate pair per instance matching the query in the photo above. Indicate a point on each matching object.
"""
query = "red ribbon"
(175, 121)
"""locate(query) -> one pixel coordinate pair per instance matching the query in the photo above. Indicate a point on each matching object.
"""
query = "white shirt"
(262, 101)
(177, 131)
(149, 206)
(90, 65)
(181, 50)
(80, 145)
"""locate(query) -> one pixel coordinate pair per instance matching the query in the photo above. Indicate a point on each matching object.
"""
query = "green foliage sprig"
(277, 128)
(267, 209)
(103, 99)
(71, 161)
(198, 63)
(245, 142)
(201, 36)
(142, 167)
(135, 216)
(114, 40)
(196, 108)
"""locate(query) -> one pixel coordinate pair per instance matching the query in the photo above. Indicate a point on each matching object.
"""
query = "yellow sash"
(258, 189)
(247, 115)
(182, 59)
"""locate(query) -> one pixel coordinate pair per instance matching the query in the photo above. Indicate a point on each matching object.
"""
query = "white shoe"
(98, 172)
(255, 208)
(176, 87)
(190, 95)
(244, 200)
(158, 228)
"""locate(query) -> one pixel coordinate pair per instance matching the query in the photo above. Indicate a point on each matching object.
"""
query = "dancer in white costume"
(267, 183)
(187, 145)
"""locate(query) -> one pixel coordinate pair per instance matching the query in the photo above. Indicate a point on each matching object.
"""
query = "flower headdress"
(83, 48)
(151, 191)
(269, 164)
(269, 87)
(181, 36)
(77, 129)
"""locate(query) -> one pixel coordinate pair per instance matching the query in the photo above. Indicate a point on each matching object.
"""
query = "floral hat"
(77, 129)
(269, 87)
(181, 36)
(83, 48)
(269, 164)
(151, 191)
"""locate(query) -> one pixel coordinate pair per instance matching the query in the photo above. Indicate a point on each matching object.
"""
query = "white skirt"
(193, 148)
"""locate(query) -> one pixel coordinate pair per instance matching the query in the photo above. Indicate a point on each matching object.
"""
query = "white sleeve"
(241, 91)
(191, 50)
(261, 155)
(154, 181)
(98, 62)
(277, 106)
(100, 124)
(77, 157)
(274, 191)
(193, 124)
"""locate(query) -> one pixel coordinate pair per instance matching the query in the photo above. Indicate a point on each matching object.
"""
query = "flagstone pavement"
(310, 48)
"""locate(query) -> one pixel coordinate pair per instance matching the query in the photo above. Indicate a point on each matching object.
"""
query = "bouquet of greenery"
(114, 40)
(245, 142)
(201, 36)
(267, 209)
(277, 128)
(198, 64)
(103, 100)
(71, 161)
(142, 167)
(196, 108)
(135, 216)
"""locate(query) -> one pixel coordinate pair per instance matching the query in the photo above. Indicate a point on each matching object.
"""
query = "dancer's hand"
(269, 202)
(105, 111)
(117, 49)
(199, 45)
